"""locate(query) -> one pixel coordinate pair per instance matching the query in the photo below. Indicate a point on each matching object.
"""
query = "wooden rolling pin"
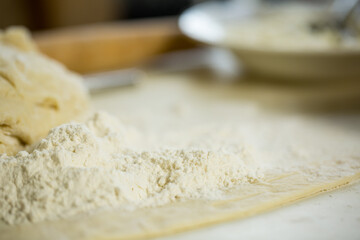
(102, 47)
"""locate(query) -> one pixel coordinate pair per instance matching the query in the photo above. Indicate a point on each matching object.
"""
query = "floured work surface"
(300, 156)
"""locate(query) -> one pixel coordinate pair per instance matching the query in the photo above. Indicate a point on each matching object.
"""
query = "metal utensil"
(338, 19)
(219, 61)
(106, 80)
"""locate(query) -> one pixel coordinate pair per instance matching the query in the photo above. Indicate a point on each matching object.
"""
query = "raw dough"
(36, 93)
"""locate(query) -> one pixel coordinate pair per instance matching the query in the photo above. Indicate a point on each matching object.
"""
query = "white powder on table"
(214, 145)
(81, 167)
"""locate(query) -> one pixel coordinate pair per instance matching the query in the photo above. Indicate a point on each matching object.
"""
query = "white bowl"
(206, 23)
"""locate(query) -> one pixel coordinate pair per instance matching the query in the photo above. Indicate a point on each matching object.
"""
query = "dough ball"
(36, 93)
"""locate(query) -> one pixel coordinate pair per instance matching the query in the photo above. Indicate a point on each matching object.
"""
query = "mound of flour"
(83, 167)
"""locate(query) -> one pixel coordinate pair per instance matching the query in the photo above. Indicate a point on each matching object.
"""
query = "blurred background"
(47, 14)
(90, 36)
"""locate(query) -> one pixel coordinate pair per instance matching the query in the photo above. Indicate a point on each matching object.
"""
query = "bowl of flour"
(276, 39)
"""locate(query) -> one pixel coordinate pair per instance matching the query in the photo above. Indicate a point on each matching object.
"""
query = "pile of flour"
(83, 167)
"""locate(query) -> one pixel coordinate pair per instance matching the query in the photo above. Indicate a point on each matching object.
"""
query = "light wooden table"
(114, 45)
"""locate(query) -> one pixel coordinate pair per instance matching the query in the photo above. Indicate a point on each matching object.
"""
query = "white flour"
(81, 167)
(270, 30)
(197, 149)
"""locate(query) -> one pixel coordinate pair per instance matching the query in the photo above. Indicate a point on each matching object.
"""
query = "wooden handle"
(111, 46)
